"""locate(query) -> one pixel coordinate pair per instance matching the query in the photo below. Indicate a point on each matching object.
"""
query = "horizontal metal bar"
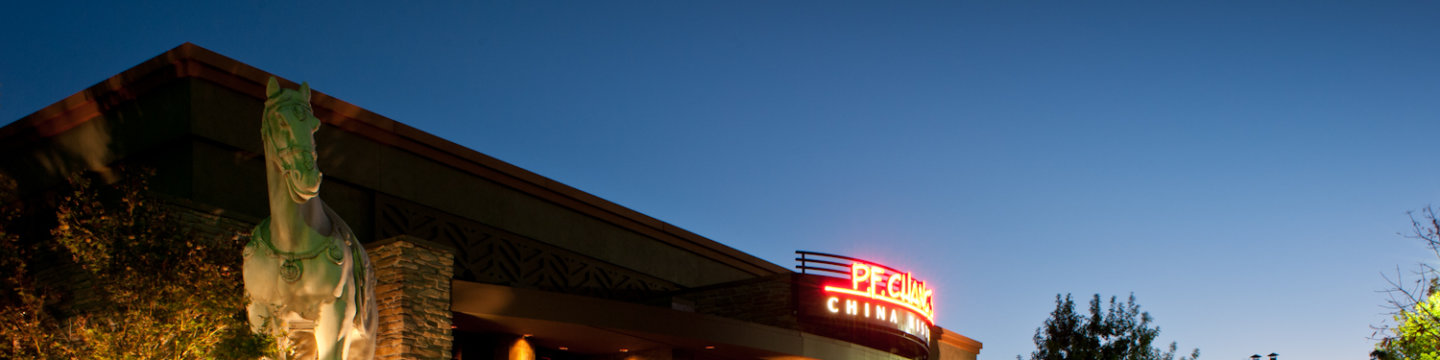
(828, 255)
(820, 254)
(802, 261)
(842, 272)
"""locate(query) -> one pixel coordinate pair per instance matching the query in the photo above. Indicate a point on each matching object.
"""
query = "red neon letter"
(900, 289)
(877, 274)
(858, 273)
(891, 289)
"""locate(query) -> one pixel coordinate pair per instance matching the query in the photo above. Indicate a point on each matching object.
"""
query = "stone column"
(413, 292)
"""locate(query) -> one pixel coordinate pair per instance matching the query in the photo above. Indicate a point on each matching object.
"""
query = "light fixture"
(624, 350)
(527, 336)
(709, 347)
(562, 348)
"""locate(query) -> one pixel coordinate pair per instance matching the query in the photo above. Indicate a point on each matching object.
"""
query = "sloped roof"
(192, 61)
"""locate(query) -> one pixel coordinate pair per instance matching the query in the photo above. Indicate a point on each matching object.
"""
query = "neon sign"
(868, 281)
(879, 295)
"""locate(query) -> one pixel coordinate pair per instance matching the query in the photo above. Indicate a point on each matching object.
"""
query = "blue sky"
(1242, 167)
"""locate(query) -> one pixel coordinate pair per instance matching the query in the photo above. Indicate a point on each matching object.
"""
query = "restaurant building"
(477, 258)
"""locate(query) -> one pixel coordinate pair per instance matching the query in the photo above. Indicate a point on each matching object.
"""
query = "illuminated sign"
(880, 294)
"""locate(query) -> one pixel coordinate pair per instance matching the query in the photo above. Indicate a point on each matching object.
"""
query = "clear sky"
(1242, 167)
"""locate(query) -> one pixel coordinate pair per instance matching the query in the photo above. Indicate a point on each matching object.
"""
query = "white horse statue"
(306, 274)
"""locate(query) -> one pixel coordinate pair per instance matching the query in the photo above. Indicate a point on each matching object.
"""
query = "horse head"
(288, 131)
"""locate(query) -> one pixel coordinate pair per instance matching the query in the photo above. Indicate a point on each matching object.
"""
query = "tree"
(1415, 306)
(109, 271)
(1414, 335)
(1120, 332)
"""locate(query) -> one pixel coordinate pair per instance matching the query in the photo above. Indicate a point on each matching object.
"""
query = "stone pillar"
(413, 292)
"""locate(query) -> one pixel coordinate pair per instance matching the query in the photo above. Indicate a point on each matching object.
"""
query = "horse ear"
(305, 90)
(272, 88)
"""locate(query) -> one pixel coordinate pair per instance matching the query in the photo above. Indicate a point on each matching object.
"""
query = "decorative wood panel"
(492, 255)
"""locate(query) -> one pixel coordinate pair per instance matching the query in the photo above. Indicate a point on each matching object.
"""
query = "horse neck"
(288, 226)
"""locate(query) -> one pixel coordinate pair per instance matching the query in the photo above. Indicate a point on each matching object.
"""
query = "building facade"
(475, 258)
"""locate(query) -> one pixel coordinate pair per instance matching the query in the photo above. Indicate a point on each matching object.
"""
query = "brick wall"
(413, 293)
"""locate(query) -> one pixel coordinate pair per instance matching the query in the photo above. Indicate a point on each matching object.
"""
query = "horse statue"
(306, 274)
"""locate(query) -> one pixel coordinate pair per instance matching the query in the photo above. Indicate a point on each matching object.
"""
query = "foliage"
(1415, 335)
(1416, 306)
(108, 271)
(1120, 332)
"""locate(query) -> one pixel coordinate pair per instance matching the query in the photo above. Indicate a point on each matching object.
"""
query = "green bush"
(107, 271)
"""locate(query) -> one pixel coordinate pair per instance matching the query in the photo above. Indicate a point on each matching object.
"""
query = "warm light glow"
(869, 281)
(521, 350)
(917, 310)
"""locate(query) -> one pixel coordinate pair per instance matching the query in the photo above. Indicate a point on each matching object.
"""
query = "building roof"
(190, 61)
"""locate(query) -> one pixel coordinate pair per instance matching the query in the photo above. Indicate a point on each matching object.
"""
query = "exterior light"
(522, 350)
(872, 294)
(624, 350)
(527, 336)
(1274, 356)
(563, 348)
(900, 290)
(1255, 357)
(709, 347)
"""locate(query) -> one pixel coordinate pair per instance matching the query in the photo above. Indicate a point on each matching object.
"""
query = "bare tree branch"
(1415, 305)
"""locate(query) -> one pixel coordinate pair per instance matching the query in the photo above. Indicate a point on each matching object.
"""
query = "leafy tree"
(1121, 331)
(108, 271)
(1415, 333)
(1416, 306)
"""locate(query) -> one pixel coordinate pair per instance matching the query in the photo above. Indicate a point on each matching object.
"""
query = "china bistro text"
(882, 294)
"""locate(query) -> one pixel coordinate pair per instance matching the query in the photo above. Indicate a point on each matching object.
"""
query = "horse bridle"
(273, 115)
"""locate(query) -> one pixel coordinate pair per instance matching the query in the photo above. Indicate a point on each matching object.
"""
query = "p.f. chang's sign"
(871, 284)
(870, 295)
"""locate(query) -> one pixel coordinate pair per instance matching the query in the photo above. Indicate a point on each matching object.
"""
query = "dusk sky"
(1244, 168)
